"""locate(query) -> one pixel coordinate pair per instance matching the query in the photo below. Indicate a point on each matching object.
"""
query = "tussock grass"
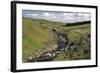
(38, 37)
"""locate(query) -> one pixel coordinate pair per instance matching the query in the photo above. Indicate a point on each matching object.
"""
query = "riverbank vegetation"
(64, 42)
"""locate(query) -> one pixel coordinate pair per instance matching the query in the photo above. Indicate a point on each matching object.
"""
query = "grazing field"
(44, 40)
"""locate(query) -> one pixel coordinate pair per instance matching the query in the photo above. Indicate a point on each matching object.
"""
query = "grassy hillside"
(80, 36)
(39, 37)
(36, 38)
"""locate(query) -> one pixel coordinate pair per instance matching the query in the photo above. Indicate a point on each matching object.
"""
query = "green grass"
(38, 37)
(34, 37)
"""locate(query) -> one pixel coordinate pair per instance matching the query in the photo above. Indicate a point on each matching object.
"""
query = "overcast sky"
(65, 17)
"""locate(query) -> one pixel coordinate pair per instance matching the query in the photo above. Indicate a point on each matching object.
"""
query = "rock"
(30, 59)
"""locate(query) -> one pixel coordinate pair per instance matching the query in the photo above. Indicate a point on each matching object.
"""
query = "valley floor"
(52, 41)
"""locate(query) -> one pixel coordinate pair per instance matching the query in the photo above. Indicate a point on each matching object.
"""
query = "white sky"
(65, 17)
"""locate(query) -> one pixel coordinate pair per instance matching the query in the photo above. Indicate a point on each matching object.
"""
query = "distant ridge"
(78, 23)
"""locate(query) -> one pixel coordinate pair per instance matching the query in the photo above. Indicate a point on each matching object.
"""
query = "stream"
(61, 45)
